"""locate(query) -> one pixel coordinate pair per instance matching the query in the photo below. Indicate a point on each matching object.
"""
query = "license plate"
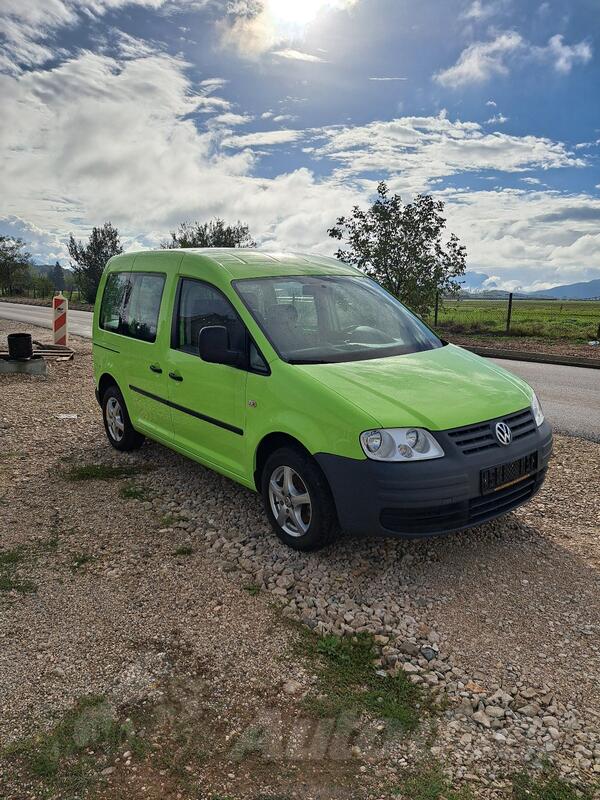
(505, 475)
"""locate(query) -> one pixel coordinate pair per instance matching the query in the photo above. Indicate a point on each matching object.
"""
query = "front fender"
(291, 402)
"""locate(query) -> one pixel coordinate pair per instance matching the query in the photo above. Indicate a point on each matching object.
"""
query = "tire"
(311, 525)
(119, 430)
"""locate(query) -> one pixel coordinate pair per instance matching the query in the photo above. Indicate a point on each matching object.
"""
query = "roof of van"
(248, 262)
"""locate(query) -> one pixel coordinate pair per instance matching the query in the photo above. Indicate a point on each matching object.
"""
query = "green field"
(573, 320)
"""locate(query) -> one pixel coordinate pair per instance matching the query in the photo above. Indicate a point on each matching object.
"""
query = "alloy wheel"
(290, 501)
(114, 419)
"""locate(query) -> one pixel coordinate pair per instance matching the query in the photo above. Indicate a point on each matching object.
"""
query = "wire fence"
(43, 293)
(514, 316)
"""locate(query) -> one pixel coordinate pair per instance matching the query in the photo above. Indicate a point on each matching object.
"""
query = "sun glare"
(296, 13)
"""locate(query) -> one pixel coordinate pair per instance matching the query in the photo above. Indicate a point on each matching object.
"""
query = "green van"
(302, 379)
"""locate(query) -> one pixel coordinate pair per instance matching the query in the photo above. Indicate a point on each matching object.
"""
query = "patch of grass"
(429, 783)
(71, 755)
(563, 320)
(102, 472)
(48, 544)
(168, 520)
(79, 560)
(10, 557)
(253, 589)
(184, 551)
(547, 786)
(349, 683)
(132, 492)
(10, 584)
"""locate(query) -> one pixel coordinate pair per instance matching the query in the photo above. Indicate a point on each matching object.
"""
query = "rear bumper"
(428, 498)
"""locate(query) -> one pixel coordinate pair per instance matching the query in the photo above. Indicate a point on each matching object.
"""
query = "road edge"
(538, 358)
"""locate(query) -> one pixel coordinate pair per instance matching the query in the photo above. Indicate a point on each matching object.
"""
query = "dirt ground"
(529, 344)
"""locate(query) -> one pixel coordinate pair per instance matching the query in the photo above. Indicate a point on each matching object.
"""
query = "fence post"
(437, 307)
(509, 312)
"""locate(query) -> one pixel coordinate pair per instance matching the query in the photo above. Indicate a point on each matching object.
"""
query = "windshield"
(313, 320)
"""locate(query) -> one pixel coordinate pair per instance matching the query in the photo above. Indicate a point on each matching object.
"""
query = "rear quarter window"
(113, 301)
(131, 304)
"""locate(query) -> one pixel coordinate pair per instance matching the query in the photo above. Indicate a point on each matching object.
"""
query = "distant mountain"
(483, 286)
(43, 269)
(587, 290)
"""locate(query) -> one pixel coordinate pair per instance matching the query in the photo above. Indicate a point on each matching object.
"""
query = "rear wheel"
(298, 500)
(119, 430)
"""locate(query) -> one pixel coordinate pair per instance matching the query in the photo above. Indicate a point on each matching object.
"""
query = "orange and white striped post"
(59, 322)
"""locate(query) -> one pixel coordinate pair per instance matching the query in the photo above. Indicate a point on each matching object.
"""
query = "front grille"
(436, 519)
(424, 520)
(477, 438)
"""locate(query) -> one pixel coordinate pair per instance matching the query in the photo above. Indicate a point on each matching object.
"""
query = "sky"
(285, 114)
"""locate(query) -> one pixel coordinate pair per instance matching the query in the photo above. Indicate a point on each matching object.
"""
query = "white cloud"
(422, 148)
(99, 137)
(564, 56)
(481, 60)
(388, 79)
(262, 139)
(529, 235)
(298, 55)
(479, 11)
(229, 119)
(68, 165)
(587, 145)
(497, 119)
(44, 247)
(531, 181)
(491, 103)
(27, 23)
(212, 84)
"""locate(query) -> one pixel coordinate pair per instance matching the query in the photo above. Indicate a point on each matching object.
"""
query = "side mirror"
(213, 346)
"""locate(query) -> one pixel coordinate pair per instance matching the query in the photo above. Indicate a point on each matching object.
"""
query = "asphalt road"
(80, 322)
(570, 396)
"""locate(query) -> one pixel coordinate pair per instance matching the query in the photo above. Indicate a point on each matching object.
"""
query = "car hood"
(437, 389)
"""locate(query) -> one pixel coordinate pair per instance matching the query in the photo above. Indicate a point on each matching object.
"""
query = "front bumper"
(428, 498)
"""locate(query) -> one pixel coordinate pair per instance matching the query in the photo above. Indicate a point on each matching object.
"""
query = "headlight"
(537, 410)
(400, 444)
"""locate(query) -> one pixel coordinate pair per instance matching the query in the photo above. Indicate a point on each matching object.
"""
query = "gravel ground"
(502, 621)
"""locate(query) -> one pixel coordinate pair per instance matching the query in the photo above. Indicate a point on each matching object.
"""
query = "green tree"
(43, 285)
(401, 247)
(15, 262)
(216, 233)
(91, 258)
(57, 277)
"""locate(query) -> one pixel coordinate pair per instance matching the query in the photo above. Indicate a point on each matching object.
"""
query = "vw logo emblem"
(503, 433)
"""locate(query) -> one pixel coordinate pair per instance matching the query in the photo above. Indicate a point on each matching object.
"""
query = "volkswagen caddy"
(302, 379)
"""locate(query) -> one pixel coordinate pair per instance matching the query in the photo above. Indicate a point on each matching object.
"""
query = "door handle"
(155, 368)
(176, 376)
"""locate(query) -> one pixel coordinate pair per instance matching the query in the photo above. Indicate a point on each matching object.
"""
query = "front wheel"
(119, 430)
(298, 500)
